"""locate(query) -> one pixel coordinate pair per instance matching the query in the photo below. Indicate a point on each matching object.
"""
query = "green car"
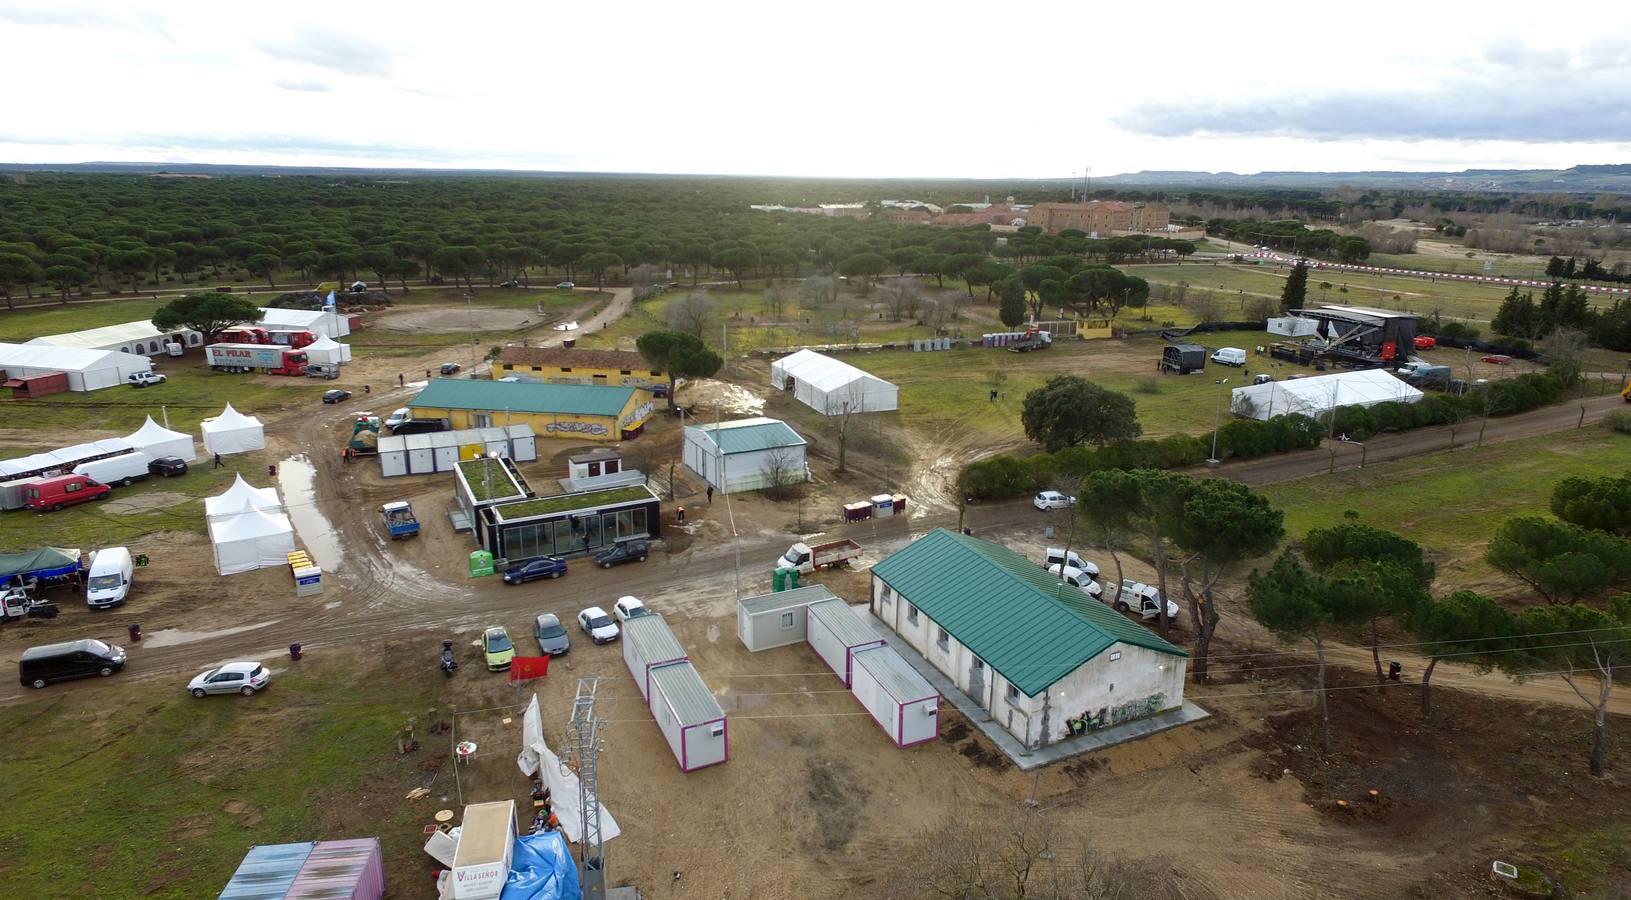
(495, 644)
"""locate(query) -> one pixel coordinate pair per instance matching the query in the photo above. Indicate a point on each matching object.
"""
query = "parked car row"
(1083, 574)
(554, 567)
(88, 658)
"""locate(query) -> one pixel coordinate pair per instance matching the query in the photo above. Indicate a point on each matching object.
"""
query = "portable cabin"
(647, 644)
(835, 633)
(481, 864)
(899, 699)
(778, 619)
(689, 716)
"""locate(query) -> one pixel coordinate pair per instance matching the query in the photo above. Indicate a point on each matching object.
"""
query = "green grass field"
(23, 324)
(1452, 503)
(191, 393)
(161, 795)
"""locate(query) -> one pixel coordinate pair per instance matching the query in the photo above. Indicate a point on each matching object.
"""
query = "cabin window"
(942, 640)
(537, 368)
(911, 616)
(787, 620)
(1012, 695)
(623, 372)
(566, 368)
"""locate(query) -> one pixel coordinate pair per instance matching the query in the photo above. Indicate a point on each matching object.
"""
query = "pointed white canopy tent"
(233, 432)
(327, 351)
(251, 540)
(831, 387)
(1315, 395)
(242, 497)
(155, 440)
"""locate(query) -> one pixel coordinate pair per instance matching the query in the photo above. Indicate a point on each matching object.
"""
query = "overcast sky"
(838, 88)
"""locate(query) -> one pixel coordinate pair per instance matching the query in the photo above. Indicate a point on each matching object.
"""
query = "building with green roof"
(746, 454)
(577, 411)
(1042, 657)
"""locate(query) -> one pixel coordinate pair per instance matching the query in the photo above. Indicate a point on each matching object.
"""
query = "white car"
(398, 417)
(565, 286)
(1078, 579)
(599, 626)
(627, 608)
(1057, 555)
(144, 379)
(233, 678)
(1052, 500)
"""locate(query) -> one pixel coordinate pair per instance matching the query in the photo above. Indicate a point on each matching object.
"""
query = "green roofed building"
(577, 411)
(1042, 657)
(746, 454)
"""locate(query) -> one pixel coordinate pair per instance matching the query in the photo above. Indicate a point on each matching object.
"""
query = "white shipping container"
(647, 644)
(779, 619)
(835, 633)
(899, 699)
(688, 716)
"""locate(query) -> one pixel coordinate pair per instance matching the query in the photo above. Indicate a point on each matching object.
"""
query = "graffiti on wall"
(1116, 715)
(580, 427)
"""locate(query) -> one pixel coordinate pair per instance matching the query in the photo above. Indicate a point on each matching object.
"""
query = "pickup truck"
(807, 559)
(400, 521)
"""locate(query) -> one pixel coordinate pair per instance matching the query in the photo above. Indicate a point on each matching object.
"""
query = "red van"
(64, 490)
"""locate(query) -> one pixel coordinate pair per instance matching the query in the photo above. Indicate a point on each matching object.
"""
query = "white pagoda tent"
(233, 432)
(155, 440)
(327, 351)
(242, 497)
(251, 540)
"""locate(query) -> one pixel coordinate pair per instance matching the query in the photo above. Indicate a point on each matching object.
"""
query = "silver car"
(233, 678)
(552, 639)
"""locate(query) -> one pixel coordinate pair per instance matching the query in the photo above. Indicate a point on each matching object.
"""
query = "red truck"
(245, 335)
(64, 490)
(275, 360)
(291, 338)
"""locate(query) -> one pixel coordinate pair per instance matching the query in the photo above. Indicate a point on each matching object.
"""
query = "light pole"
(1217, 422)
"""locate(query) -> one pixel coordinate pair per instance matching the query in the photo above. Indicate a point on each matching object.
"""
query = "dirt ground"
(491, 318)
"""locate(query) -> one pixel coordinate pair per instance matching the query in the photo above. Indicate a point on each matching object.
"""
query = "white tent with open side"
(87, 370)
(1313, 396)
(242, 497)
(324, 322)
(155, 440)
(233, 432)
(251, 540)
(326, 351)
(831, 387)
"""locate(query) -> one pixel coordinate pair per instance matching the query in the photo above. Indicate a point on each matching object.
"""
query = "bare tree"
(818, 290)
(1565, 350)
(902, 297)
(782, 472)
(692, 314)
(840, 410)
(775, 300)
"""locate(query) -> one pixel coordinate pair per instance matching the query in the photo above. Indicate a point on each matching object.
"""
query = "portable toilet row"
(686, 712)
(928, 344)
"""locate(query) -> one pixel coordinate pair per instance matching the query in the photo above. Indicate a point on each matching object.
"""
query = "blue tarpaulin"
(542, 869)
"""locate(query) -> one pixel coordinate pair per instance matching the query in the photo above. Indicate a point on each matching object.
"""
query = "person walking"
(710, 495)
(218, 460)
(400, 381)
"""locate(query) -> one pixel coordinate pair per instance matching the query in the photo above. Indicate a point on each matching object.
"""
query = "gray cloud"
(83, 17)
(343, 52)
(311, 85)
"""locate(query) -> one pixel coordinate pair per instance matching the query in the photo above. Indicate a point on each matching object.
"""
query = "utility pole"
(585, 727)
(1217, 422)
(470, 319)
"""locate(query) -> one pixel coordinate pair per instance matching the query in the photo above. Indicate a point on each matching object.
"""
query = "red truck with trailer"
(272, 358)
(245, 334)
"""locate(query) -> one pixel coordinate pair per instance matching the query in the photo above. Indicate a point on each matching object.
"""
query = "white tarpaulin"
(1313, 396)
(831, 387)
(155, 440)
(327, 352)
(242, 497)
(233, 432)
(251, 540)
(561, 781)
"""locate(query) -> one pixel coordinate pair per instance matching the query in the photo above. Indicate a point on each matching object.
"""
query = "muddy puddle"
(297, 478)
(171, 637)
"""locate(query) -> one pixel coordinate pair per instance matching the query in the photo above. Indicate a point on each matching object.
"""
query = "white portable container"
(899, 699)
(481, 864)
(689, 716)
(779, 619)
(835, 633)
(647, 644)
(124, 469)
(109, 581)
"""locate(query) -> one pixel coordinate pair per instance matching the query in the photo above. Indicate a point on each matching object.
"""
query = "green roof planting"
(748, 435)
(1007, 609)
(475, 472)
(560, 503)
(523, 397)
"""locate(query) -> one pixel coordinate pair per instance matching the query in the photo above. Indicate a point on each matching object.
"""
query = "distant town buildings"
(1098, 218)
(1102, 218)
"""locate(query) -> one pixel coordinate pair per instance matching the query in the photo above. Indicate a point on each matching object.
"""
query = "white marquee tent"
(233, 432)
(1313, 396)
(828, 386)
(87, 370)
(139, 338)
(242, 497)
(326, 323)
(155, 440)
(251, 540)
(327, 351)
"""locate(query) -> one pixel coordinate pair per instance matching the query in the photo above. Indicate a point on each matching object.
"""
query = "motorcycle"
(448, 662)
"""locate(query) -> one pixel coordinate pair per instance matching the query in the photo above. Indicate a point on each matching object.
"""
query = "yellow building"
(580, 411)
(561, 365)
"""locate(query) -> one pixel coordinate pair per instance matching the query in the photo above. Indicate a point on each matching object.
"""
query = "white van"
(1057, 556)
(1076, 578)
(110, 577)
(1230, 356)
(123, 469)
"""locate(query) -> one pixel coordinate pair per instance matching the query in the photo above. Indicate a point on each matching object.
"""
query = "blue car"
(542, 567)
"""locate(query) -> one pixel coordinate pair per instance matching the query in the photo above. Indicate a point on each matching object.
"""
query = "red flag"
(523, 668)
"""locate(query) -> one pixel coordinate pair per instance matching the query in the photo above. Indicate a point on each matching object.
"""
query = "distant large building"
(1101, 218)
(997, 215)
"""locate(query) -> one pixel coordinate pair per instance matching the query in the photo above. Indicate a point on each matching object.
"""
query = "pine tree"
(1296, 289)
(1516, 317)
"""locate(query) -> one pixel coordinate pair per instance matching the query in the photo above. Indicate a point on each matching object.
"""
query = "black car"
(166, 466)
(336, 396)
(618, 554)
(450, 368)
(542, 567)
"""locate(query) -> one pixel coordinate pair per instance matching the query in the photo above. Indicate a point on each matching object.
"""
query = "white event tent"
(831, 387)
(251, 540)
(233, 432)
(1315, 395)
(242, 497)
(323, 322)
(327, 351)
(87, 370)
(155, 440)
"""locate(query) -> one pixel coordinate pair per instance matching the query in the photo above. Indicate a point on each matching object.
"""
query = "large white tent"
(139, 338)
(87, 370)
(831, 387)
(233, 432)
(327, 351)
(1316, 395)
(242, 497)
(323, 322)
(155, 440)
(251, 540)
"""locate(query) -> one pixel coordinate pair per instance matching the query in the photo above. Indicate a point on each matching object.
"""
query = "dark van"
(421, 426)
(40, 666)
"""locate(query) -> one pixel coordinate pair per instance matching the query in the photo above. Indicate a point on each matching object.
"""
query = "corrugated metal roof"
(267, 871)
(652, 639)
(692, 701)
(523, 397)
(803, 596)
(335, 870)
(748, 435)
(842, 621)
(1007, 609)
(895, 674)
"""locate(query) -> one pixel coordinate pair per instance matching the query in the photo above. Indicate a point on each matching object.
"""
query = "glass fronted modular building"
(569, 524)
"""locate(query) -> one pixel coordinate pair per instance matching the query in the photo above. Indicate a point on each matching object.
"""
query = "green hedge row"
(1504, 398)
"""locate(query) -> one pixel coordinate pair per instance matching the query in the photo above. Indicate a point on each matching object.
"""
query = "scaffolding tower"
(585, 728)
